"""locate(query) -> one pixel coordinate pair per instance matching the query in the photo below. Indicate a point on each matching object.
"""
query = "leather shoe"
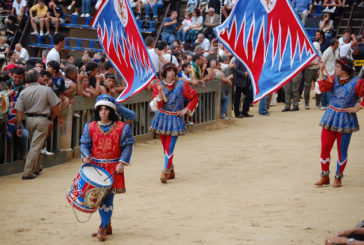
(295, 108)
(248, 115)
(325, 180)
(239, 116)
(108, 229)
(286, 109)
(164, 177)
(38, 172)
(337, 182)
(101, 235)
(171, 174)
(32, 176)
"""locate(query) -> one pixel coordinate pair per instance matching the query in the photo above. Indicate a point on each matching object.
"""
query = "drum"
(89, 188)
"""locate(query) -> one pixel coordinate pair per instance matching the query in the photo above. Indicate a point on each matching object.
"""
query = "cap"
(106, 100)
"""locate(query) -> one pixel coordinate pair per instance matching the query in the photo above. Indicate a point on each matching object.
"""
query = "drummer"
(107, 142)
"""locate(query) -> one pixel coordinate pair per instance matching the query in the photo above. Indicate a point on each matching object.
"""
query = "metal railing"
(83, 109)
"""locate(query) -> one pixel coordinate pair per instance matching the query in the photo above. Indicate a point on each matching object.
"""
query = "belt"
(105, 160)
(35, 115)
(169, 112)
(337, 109)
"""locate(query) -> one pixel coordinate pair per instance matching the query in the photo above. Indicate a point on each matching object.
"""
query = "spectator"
(196, 64)
(228, 6)
(332, 6)
(22, 53)
(303, 8)
(77, 5)
(162, 48)
(94, 79)
(211, 20)
(55, 16)
(204, 43)
(58, 85)
(186, 25)
(16, 88)
(18, 9)
(197, 21)
(191, 5)
(11, 28)
(242, 85)
(39, 66)
(44, 55)
(70, 80)
(226, 84)
(45, 78)
(69, 59)
(311, 73)
(353, 236)
(169, 29)
(4, 49)
(59, 42)
(185, 75)
(155, 54)
(38, 103)
(202, 6)
(291, 92)
(154, 5)
(41, 15)
(136, 4)
(320, 38)
(326, 25)
(86, 89)
(215, 4)
(10, 64)
(348, 45)
(119, 84)
(329, 58)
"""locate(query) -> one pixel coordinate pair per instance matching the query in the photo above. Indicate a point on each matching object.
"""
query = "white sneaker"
(76, 115)
(307, 107)
(323, 107)
(189, 123)
(75, 13)
(69, 7)
(45, 152)
(82, 15)
(41, 33)
(87, 15)
(223, 116)
(34, 33)
(47, 33)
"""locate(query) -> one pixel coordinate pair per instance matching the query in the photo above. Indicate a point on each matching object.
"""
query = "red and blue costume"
(337, 123)
(107, 145)
(167, 122)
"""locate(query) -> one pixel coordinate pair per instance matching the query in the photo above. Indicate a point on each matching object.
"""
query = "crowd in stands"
(189, 42)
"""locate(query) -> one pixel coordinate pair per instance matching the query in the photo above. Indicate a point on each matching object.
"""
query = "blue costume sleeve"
(126, 144)
(125, 112)
(86, 142)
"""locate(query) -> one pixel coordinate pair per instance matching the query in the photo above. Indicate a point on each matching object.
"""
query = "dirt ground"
(246, 181)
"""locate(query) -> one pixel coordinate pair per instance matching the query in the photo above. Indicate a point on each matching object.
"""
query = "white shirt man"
(53, 54)
(155, 59)
(18, 5)
(329, 57)
(21, 52)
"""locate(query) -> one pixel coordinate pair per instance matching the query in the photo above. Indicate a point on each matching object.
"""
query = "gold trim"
(162, 132)
(108, 131)
(339, 130)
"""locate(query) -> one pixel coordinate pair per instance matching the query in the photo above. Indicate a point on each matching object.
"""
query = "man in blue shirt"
(303, 8)
(169, 29)
(55, 16)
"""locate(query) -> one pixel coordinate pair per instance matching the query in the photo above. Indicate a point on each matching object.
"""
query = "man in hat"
(108, 143)
(169, 120)
(211, 20)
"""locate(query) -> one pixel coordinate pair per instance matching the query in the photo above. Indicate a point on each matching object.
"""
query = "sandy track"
(246, 182)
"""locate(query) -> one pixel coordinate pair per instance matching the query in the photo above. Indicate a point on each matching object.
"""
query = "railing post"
(65, 134)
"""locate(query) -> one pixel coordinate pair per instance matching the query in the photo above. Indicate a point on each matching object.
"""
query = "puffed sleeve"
(86, 142)
(156, 102)
(359, 88)
(126, 144)
(322, 86)
(190, 94)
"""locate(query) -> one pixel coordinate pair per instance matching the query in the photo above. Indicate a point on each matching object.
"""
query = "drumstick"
(110, 175)
(92, 164)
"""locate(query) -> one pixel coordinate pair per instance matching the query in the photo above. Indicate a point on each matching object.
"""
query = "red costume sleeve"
(155, 94)
(359, 88)
(190, 94)
(325, 84)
